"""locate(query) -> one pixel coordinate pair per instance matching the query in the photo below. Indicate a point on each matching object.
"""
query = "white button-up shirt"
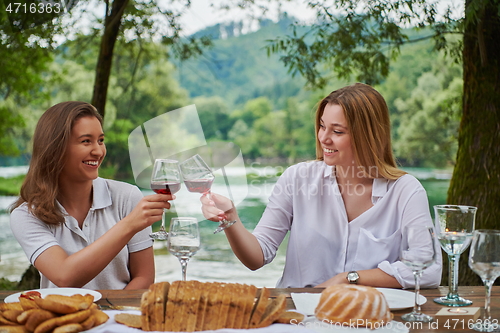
(307, 202)
(112, 201)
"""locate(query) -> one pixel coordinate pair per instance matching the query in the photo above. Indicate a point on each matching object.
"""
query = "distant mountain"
(237, 68)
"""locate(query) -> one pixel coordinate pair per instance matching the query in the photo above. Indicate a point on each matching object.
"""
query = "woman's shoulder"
(116, 186)
(408, 181)
(20, 210)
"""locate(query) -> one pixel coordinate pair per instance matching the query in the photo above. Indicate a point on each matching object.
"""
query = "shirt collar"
(328, 172)
(379, 187)
(102, 196)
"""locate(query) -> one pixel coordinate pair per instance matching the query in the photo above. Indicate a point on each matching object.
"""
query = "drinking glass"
(484, 260)
(183, 240)
(198, 177)
(418, 251)
(165, 179)
(454, 226)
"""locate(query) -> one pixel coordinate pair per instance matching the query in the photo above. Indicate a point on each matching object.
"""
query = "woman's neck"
(351, 175)
(73, 195)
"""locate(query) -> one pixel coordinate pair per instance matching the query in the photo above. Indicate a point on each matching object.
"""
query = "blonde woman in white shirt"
(344, 211)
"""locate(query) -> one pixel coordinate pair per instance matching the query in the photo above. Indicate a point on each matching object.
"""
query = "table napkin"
(111, 326)
(305, 303)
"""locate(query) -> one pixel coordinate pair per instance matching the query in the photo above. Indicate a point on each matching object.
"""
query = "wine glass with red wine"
(198, 177)
(165, 179)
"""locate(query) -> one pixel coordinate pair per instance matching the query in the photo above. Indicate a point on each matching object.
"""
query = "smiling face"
(334, 137)
(84, 152)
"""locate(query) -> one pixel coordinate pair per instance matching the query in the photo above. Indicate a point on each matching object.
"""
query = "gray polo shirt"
(112, 201)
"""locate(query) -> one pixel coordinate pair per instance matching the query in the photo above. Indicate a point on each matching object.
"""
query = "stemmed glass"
(183, 240)
(454, 226)
(484, 260)
(198, 177)
(418, 251)
(165, 179)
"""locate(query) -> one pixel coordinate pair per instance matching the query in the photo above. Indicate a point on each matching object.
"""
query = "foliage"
(214, 117)
(237, 69)
(278, 128)
(7, 285)
(427, 134)
(26, 43)
(358, 38)
(11, 186)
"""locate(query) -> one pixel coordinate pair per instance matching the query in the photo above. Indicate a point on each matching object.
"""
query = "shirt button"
(86, 225)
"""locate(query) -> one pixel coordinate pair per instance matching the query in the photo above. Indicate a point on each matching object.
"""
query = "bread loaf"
(362, 305)
(188, 306)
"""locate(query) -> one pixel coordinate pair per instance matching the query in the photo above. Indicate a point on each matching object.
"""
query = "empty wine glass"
(198, 177)
(484, 260)
(183, 240)
(454, 226)
(418, 251)
(165, 179)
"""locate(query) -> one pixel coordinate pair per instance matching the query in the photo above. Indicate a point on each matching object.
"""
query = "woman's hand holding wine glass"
(148, 211)
(198, 177)
(165, 180)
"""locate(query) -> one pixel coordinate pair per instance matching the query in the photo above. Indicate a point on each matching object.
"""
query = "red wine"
(165, 187)
(199, 185)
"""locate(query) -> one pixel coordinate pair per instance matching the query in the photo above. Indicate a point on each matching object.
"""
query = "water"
(455, 243)
(215, 260)
(184, 246)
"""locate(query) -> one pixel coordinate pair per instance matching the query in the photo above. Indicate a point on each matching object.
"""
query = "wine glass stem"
(184, 262)
(162, 228)
(487, 284)
(416, 307)
(453, 276)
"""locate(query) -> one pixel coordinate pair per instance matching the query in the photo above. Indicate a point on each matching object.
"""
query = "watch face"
(352, 276)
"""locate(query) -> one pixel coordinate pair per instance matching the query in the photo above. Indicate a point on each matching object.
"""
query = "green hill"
(238, 68)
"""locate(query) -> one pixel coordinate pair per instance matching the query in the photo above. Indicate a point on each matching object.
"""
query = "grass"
(7, 285)
(11, 186)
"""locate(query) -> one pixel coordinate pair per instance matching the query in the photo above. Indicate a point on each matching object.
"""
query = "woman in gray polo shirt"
(77, 229)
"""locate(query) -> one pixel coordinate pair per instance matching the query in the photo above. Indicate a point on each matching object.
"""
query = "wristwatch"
(352, 277)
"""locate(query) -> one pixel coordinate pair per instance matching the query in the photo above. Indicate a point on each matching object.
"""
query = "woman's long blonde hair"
(53, 130)
(369, 126)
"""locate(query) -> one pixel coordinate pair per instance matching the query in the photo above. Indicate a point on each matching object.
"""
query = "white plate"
(396, 298)
(324, 327)
(56, 291)
(399, 299)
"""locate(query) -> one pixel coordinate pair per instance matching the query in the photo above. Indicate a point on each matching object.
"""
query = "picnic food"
(54, 313)
(188, 306)
(349, 304)
(290, 317)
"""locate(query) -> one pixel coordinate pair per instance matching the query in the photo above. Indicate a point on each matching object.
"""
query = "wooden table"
(476, 294)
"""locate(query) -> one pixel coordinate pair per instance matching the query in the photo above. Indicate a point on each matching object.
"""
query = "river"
(215, 261)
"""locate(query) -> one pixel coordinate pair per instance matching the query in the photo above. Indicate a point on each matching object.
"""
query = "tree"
(26, 42)
(358, 39)
(136, 19)
(427, 135)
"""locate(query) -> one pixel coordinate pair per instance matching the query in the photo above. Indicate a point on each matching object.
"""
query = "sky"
(202, 15)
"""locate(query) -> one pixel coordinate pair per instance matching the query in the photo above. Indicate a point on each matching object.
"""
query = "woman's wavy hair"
(369, 126)
(41, 185)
